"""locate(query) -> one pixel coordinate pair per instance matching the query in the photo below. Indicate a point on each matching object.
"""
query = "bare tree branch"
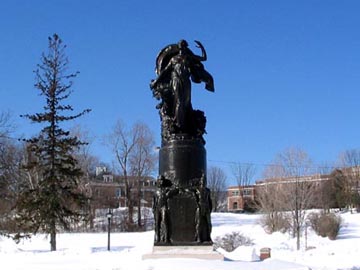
(294, 192)
(216, 182)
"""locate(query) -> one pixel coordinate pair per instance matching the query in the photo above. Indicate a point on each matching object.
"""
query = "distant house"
(108, 190)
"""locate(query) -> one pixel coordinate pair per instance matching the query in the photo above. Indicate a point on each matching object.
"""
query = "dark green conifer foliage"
(56, 200)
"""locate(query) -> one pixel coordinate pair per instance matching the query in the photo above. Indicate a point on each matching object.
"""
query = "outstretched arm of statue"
(203, 57)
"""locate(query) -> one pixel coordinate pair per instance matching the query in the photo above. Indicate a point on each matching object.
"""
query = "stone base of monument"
(193, 252)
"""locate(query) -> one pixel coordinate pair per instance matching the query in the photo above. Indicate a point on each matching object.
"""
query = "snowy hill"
(89, 251)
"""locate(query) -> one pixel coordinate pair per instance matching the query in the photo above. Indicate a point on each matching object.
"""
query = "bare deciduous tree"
(142, 162)
(6, 124)
(122, 141)
(325, 189)
(336, 190)
(268, 201)
(295, 191)
(349, 161)
(133, 152)
(87, 161)
(10, 180)
(244, 174)
(216, 182)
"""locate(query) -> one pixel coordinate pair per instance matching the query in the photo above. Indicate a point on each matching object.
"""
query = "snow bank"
(242, 253)
(88, 251)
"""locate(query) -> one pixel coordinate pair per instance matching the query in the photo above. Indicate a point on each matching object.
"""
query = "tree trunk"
(92, 217)
(129, 203)
(130, 206)
(53, 236)
(139, 202)
(139, 213)
(298, 237)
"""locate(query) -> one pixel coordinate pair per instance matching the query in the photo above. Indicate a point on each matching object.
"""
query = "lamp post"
(109, 216)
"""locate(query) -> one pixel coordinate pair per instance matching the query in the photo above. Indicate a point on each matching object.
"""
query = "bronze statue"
(160, 209)
(177, 66)
(182, 203)
(203, 211)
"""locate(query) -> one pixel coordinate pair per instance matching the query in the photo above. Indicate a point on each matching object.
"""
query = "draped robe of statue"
(177, 66)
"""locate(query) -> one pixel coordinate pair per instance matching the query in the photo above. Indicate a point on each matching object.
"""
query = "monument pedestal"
(191, 252)
(182, 203)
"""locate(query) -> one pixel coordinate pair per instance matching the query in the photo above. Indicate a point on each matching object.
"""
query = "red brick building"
(108, 190)
(238, 198)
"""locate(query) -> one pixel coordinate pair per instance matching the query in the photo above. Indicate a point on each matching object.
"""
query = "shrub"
(275, 222)
(325, 224)
(356, 201)
(231, 241)
(250, 207)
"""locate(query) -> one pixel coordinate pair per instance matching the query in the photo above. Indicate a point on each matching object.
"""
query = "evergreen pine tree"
(56, 200)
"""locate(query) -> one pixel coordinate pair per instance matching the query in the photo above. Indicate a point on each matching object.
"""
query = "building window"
(108, 178)
(235, 205)
(118, 193)
(235, 193)
(247, 192)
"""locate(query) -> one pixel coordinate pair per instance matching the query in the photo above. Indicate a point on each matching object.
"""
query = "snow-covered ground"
(89, 251)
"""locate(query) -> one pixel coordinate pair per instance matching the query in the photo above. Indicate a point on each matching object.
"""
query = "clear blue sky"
(287, 73)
